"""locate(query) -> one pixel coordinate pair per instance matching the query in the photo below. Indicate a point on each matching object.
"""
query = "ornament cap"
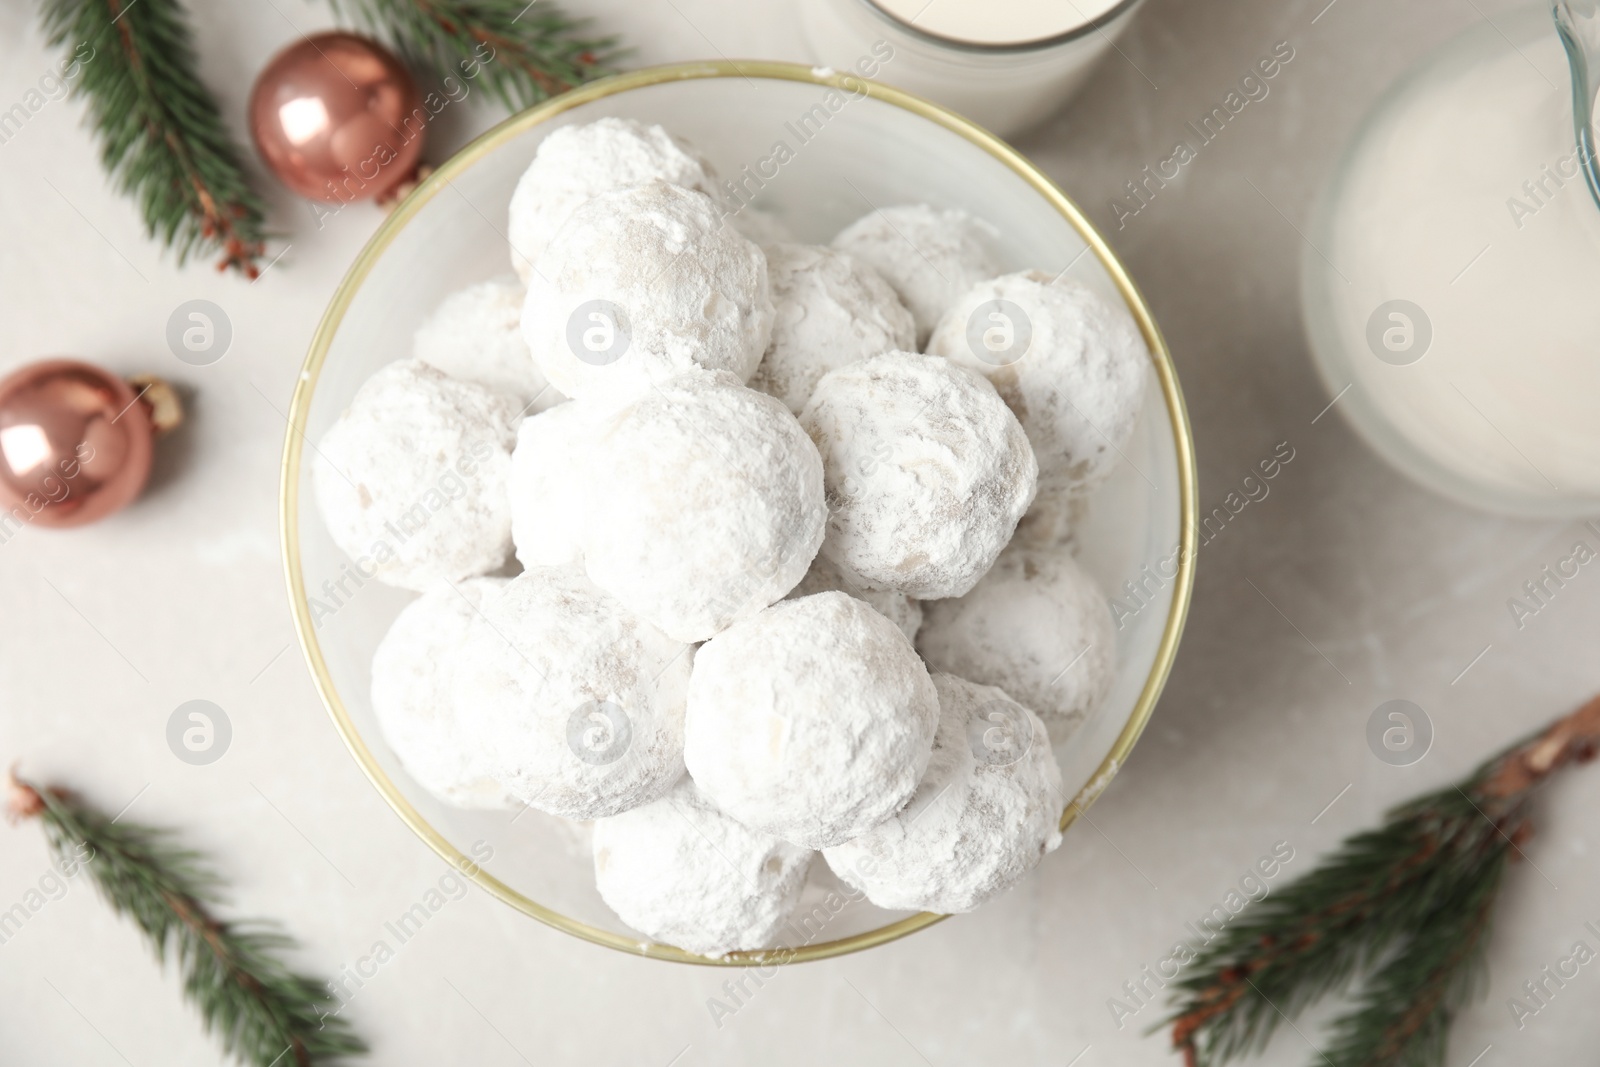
(390, 199)
(161, 402)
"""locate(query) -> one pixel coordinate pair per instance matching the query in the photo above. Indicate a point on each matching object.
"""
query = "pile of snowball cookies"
(792, 524)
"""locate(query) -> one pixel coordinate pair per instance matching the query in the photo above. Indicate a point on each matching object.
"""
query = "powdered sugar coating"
(644, 284)
(825, 576)
(413, 696)
(927, 472)
(550, 486)
(411, 479)
(812, 721)
(981, 819)
(928, 255)
(1038, 627)
(707, 506)
(576, 163)
(1076, 388)
(579, 702)
(682, 872)
(831, 309)
(1053, 520)
(475, 334)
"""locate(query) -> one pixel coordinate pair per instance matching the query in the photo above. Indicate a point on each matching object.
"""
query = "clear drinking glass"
(1450, 275)
(1005, 86)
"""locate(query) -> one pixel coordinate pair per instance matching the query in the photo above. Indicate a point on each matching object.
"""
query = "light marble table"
(1346, 587)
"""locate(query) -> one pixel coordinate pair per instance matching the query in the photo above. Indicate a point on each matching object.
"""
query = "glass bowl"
(880, 146)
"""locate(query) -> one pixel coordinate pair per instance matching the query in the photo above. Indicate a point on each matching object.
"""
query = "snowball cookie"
(707, 505)
(550, 488)
(412, 478)
(413, 695)
(927, 472)
(576, 163)
(1070, 363)
(812, 721)
(475, 335)
(684, 873)
(831, 309)
(1038, 627)
(579, 701)
(984, 815)
(643, 284)
(825, 576)
(1053, 520)
(930, 257)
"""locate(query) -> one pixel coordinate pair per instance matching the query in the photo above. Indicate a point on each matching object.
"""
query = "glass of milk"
(1451, 277)
(1005, 64)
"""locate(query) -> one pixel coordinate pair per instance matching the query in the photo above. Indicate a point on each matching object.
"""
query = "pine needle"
(520, 52)
(1404, 910)
(162, 138)
(264, 1014)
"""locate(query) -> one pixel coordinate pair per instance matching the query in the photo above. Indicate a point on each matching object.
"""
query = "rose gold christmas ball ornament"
(337, 117)
(75, 441)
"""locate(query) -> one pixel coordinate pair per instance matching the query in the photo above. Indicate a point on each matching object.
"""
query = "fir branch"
(1407, 906)
(1406, 1008)
(522, 52)
(161, 134)
(265, 1014)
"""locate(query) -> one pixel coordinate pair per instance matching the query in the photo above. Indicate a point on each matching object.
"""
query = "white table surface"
(1384, 591)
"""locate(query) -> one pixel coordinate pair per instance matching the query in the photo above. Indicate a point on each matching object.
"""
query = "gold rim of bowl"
(499, 135)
